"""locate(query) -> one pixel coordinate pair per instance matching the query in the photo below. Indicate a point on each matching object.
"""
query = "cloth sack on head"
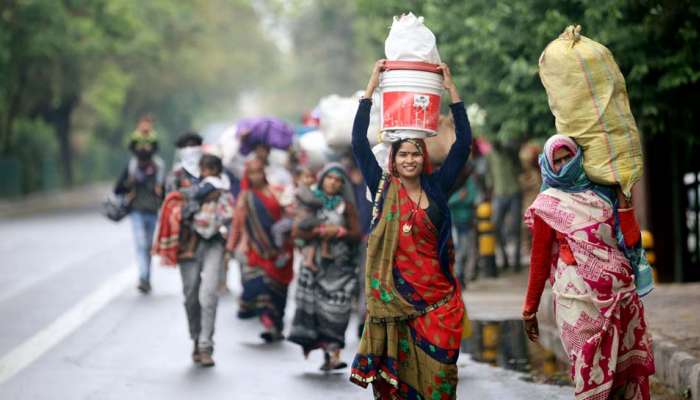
(588, 97)
(410, 40)
(271, 131)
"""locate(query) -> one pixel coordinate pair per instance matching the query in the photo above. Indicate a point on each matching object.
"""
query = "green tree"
(89, 68)
(493, 49)
(323, 52)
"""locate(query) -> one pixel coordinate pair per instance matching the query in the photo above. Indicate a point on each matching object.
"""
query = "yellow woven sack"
(588, 97)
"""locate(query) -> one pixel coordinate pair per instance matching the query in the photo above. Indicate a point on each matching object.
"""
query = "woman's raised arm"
(361, 149)
(459, 152)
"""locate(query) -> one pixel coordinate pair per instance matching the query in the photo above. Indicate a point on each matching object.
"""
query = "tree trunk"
(12, 112)
(59, 118)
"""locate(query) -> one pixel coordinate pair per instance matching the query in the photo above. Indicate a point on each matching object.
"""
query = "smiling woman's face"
(561, 156)
(408, 160)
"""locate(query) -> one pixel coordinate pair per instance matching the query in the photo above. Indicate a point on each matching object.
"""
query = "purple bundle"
(264, 130)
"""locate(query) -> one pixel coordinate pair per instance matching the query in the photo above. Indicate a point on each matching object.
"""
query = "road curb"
(676, 368)
(89, 196)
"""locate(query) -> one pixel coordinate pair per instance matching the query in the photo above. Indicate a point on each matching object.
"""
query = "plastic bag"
(314, 146)
(588, 97)
(410, 40)
(381, 154)
(337, 115)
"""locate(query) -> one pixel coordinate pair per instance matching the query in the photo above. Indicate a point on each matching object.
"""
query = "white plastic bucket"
(411, 99)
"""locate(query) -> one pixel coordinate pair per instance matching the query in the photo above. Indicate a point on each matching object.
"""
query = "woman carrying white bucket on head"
(410, 344)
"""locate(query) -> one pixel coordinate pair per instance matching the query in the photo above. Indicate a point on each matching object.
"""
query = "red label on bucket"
(410, 110)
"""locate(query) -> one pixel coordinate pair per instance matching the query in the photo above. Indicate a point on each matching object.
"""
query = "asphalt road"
(74, 327)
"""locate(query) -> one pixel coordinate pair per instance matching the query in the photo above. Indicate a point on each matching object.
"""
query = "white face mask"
(189, 157)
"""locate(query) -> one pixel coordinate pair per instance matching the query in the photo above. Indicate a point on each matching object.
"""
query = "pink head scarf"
(555, 143)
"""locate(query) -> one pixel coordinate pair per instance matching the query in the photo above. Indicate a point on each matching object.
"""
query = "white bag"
(410, 40)
(337, 115)
(314, 145)
(381, 154)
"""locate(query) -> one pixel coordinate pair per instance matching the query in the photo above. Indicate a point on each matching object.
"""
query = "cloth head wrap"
(555, 143)
(346, 193)
(572, 178)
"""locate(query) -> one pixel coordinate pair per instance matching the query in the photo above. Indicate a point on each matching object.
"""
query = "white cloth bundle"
(410, 40)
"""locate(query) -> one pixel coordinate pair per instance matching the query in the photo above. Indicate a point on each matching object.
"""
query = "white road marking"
(30, 350)
(54, 269)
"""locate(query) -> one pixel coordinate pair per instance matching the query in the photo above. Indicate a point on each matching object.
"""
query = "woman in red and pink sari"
(579, 232)
(266, 270)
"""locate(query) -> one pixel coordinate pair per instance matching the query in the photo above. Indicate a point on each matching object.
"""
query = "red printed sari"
(411, 340)
(598, 312)
(264, 282)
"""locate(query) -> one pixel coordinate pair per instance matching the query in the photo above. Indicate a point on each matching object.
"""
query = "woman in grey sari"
(327, 286)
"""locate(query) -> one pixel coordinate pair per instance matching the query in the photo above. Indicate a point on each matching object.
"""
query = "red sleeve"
(540, 260)
(629, 227)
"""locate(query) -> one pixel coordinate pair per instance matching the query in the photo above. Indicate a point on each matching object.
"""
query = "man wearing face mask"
(200, 265)
(186, 172)
(142, 182)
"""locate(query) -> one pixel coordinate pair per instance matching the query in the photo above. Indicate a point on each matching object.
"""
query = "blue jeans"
(143, 224)
(466, 252)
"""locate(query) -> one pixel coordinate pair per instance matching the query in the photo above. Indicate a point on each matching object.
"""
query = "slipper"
(271, 337)
(340, 365)
(328, 366)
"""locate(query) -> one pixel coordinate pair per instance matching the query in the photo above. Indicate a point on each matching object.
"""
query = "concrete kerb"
(675, 368)
(694, 382)
(85, 197)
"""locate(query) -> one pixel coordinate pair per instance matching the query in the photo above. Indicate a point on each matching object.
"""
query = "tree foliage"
(324, 53)
(86, 69)
(493, 49)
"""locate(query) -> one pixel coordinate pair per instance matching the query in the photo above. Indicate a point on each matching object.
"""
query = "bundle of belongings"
(192, 214)
(588, 97)
(409, 40)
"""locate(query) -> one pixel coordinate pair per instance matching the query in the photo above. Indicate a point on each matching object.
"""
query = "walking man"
(200, 193)
(142, 183)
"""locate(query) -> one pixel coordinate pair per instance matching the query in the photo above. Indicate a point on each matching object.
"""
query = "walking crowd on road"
(394, 235)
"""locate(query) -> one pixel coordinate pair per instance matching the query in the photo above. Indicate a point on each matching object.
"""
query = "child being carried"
(203, 205)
